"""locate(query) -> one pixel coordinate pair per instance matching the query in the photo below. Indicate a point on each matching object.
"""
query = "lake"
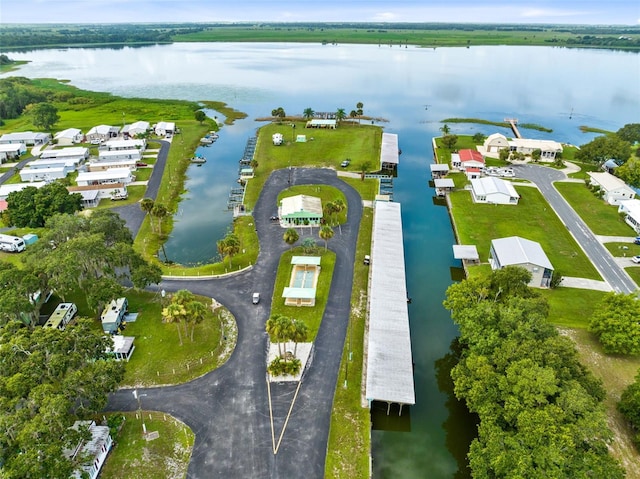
(413, 89)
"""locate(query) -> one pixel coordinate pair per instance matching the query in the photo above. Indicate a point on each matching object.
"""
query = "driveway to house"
(612, 273)
(132, 214)
(228, 409)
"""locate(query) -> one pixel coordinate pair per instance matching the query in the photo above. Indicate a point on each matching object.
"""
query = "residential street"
(611, 272)
(228, 409)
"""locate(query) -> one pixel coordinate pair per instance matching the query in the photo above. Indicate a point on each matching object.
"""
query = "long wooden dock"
(514, 122)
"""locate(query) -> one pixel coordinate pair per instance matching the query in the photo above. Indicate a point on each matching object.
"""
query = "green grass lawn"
(143, 174)
(532, 219)
(360, 143)
(312, 316)
(159, 358)
(601, 217)
(623, 249)
(570, 307)
(134, 457)
(634, 272)
(349, 433)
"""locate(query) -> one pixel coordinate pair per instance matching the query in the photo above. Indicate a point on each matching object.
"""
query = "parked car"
(255, 299)
(345, 163)
(636, 259)
(140, 164)
(637, 240)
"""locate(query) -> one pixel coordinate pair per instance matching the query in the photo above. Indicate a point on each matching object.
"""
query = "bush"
(281, 367)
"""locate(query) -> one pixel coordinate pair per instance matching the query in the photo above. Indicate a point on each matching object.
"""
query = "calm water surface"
(413, 89)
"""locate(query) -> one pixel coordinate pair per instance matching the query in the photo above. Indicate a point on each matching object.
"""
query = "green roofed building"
(300, 210)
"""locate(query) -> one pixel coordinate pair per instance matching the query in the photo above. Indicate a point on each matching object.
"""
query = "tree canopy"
(93, 253)
(603, 148)
(615, 323)
(32, 206)
(629, 406)
(49, 378)
(45, 115)
(629, 132)
(539, 408)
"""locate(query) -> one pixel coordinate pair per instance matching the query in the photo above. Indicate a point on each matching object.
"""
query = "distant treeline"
(425, 34)
(50, 35)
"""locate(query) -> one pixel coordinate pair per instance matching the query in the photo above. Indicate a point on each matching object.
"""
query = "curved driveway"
(544, 177)
(228, 409)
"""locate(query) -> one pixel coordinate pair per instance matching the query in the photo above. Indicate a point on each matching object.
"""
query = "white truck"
(11, 243)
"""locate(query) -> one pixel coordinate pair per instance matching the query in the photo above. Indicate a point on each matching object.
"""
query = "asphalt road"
(228, 409)
(132, 214)
(544, 177)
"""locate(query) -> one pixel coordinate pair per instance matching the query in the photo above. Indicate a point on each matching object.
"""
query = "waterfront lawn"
(324, 192)
(312, 316)
(349, 433)
(134, 457)
(324, 148)
(368, 189)
(532, 218)
(159, 358)
(571, 307)
(601, 217)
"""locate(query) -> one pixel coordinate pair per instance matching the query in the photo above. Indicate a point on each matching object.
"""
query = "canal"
(412, 89)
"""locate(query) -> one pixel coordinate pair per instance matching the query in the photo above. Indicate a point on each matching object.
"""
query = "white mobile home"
(76, 153)
(113, 145)
(29, 138)
(494, 190)
(70, 136)
(631, 210)
(92, 453)
(164, 128)
(12, 151)
(612, 188)
(91, 195)
(106, 165)
(111, 176)
(43, 174)
(7, 189)
(116, 155)
(12, 244)
(134, 129)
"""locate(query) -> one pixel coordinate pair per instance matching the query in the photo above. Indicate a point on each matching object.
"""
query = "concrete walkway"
(584, 283)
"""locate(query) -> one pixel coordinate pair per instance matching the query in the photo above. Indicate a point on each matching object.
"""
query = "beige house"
(612, 188)
(549, 149)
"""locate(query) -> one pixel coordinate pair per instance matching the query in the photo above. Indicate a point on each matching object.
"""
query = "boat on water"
(209, 138)
(198, 159)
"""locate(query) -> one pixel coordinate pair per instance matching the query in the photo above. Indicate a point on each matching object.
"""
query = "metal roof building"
(389, 360)
(389, 151)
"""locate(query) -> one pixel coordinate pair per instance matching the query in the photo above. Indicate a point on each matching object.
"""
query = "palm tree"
(278, 113)
(160, 212)
(445, 129)
(175, 313)
(196, 312)
(146, 205)
(353, 114)
(308, 113)
(228, 247)
(329, 210)
(364, 167)
(340, 114)
(290, 236)
(359, 111)
(276, 329)
(326, 233)
(338, 207)
(308, 244)
(300, 333)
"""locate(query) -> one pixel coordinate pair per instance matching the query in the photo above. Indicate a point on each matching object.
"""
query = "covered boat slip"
(389, 152)
(389, 373)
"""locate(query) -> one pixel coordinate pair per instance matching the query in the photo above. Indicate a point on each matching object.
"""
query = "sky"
(596, 12)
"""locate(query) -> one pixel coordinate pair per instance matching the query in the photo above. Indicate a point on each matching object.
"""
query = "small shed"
(30, 238)
(438, 170)
(122, 347)
(443, 186)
